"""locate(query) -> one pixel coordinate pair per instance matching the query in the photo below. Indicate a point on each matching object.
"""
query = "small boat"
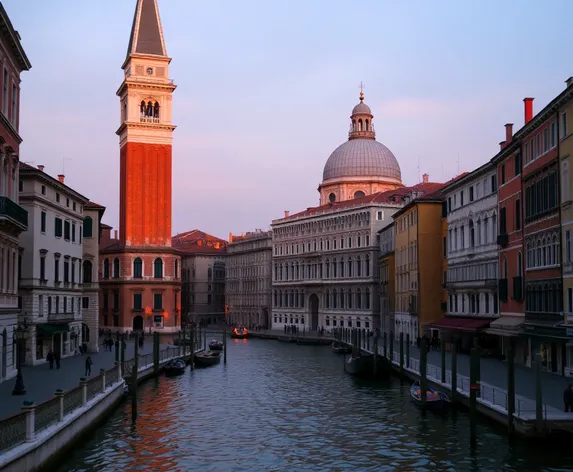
(207, 359)
(435, 400)
(286, 339)
(175, 367)
(362, 365)
(310, 342)
(215, 345)
(240, 332)
(339, 347)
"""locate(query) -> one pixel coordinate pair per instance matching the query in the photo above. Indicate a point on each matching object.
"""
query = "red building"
(140, 271)
(13, 218)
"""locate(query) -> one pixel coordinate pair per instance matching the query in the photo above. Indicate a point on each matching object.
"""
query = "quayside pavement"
(41, 382)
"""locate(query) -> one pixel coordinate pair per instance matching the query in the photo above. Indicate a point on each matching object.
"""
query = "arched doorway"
(313, 305)
(138, 323)
(85, 333)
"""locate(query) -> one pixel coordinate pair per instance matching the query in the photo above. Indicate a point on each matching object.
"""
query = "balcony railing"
(13, 212)
(148, 119)
(60, 317)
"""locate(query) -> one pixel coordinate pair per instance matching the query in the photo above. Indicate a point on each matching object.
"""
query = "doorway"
(138, 323)
(57, 342)
(313, 304)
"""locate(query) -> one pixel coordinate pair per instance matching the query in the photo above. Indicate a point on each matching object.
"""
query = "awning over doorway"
(505, 326)
(49, 329)
(460, 323)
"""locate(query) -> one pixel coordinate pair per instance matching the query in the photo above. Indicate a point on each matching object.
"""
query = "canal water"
(283, 407)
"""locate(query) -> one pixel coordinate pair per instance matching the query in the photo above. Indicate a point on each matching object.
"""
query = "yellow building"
(387, 274)
(419, 264)
(566, 161)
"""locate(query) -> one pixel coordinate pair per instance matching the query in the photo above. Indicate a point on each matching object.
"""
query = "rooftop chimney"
(115, 234)
(569, 82)
(508, 133)
(61, 178)
(41, 167)
(502, 145)
(230, 237)
(528, 109)
(425, 178)
(287, 213)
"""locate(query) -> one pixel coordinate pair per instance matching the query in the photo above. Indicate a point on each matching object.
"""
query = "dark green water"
(283, 407)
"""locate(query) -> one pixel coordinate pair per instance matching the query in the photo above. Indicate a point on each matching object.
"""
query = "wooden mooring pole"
(511, 386)
(454, 352)
(443, 352)
(134, 378)
(423, 368)
(474, 389)
(408, 350)
(401, 354)
(225, 346)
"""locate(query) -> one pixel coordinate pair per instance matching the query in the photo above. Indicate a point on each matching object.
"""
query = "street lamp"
(19, 335)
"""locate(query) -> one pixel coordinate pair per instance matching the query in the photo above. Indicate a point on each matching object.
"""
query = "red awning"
(459, 323)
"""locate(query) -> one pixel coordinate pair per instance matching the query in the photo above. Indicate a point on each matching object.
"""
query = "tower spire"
(146, 31)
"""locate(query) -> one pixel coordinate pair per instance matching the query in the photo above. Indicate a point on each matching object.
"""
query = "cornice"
(142, 125)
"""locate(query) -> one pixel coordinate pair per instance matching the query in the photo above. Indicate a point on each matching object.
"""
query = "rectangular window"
(518, 214)
(568, 247)
(67, 230)
(450, 204)
(56, 270)
(14, 115)
(43, 190)
(137, 301)
(73, 232)
(538, 145)
(66, 271)
(553, 134)
(58, 197)
(49, 305)
(494, 183)
(5, 92)
(58, 227)
(158, 301)
(546, 140)
(502, 174)
(42, 268)
(116, 300)
(73, 272)
(21, 186)
(532, 150)
(43, 222)
(502, 221)
(85, 302)
(563, 125)
(517, 162)
(462, 198)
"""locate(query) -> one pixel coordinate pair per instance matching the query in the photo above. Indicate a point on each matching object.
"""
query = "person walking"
(50, 359)
(57, 358)
(88, 366)
(568, 398)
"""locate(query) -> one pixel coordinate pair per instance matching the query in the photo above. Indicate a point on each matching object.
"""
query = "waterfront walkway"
(41, 382)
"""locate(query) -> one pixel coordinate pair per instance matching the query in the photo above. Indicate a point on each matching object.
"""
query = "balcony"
(60, 317)
(13, 215)
(502, 239)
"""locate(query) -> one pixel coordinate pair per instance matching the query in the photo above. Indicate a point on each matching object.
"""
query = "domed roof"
(361, 109)
(362, 158)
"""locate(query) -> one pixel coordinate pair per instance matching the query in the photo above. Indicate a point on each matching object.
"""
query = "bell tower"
(145, 134)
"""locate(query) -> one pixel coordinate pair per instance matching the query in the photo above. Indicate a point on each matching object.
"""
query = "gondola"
(286, 339)
(207, 359)
(435, 400)
(215, 345)
(339, 347)
(175, 367)
(240, 332)
(362, 365)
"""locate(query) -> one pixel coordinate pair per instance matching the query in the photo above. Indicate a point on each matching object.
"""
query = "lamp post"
(19, 335)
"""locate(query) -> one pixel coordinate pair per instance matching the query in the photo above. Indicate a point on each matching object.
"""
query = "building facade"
(387, 278)
(140, 269)
(472, 252)
(203, 260)
(566, 161)
(418, 261)
(13, 217)
(51, 264)
(248, 279)
(93, 214)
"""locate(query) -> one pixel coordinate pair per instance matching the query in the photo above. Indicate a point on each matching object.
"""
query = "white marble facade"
(472, 249)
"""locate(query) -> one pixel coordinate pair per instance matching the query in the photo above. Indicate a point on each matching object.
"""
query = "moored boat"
(175, 367)
(339, 347)
(310, 342)
(207, 359)
(362, 365)
(239, 332)
(286, 339)
(435, 400)
(215, 345)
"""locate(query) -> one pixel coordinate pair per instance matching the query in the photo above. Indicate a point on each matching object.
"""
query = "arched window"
(472, 234)
(158, 268)
(358, 267)
(366, 121)
(88, 227)
(358, 299)
(350, 295)
(519, 264)
(116, 268)
(367, 265)
(156, 111)
(327, 299)
(106, 268)
(142, 109)
(360, 125)
(332, 198)
(359, 194)
(334, 299)
(367, 299)
(504, 267)
(88, 272)
(149, 110)
(137, 268)
(349, 267)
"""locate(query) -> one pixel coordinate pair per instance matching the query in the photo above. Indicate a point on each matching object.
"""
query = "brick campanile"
(145, 134)
(140, 270)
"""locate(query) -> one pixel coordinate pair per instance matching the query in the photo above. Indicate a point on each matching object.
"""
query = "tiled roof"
(146, 33)
(94, 205)
(395, 196)
(198, 242)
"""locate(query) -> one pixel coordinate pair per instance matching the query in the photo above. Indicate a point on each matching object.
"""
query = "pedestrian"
(57, 358)
(50, 359)
(88, 366)
(568, 398)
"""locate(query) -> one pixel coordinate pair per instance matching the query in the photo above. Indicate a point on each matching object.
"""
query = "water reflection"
(282, 407)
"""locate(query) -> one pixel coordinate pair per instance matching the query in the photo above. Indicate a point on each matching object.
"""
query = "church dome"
(362, 157)
(361, 109)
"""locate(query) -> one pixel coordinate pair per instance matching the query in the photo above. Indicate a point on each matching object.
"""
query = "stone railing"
(33, 419)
